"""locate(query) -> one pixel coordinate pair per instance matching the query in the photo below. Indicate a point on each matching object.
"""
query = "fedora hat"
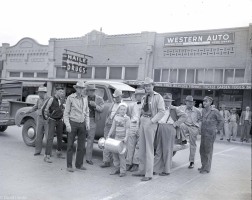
(79, 84)
(139, 91)
(168, 97)
(233, 109)
(189, 98)
(91, 87)
(42, 89)
(148, 81)
(117, 93)
(208, 98)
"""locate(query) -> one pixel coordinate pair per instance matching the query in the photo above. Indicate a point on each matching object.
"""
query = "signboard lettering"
(74, 63)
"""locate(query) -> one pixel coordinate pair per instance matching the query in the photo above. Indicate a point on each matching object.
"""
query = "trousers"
(245, 130)
(233, 130)
(41, 130)
(90, 139)
(226, 130)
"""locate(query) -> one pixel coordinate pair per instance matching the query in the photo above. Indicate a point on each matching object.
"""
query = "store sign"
(74, 63)
(200, 39)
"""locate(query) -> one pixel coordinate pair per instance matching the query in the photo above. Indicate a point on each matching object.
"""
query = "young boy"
(121, 127)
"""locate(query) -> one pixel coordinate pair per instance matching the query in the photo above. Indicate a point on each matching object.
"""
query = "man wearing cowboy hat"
(76, 118)
(41, 124)
(191, 126)
(134, 112)
(233, 124)
(107, 156)
(96, 106)
(166, 133)
(153, 110)
(212, 121)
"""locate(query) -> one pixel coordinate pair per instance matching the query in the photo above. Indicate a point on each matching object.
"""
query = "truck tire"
(29, 132)
(3, 128)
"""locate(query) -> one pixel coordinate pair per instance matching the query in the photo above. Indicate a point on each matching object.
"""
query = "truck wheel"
(29, 132)
(174, 152)
(3, 128)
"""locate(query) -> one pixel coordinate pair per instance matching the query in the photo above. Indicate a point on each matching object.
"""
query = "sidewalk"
(238, 140)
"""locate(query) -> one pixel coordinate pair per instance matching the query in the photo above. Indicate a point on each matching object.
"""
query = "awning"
(32, 83)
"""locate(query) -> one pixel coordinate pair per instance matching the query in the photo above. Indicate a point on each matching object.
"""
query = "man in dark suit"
(245, 122)
(96, 106)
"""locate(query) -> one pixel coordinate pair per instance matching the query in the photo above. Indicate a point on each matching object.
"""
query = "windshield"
(127, 95)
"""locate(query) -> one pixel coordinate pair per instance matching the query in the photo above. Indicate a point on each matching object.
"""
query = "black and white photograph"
(125, 100)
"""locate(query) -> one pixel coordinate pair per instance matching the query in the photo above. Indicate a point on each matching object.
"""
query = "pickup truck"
(105, 89)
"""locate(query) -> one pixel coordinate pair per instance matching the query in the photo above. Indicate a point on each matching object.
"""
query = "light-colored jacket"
(243, 115)
(195, 115)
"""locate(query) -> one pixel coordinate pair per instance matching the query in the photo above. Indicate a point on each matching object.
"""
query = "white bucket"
(112, 145)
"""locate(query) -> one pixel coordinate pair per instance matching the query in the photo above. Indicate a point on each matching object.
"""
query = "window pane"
(190, 76)
(115, 73)
(218, 76)
(181, 76)
(229, 74)
(165, 73)
(72, 74)
(173, 76)
(60, 72)
(187, 92)
(14, 74)
(198, 93)
(239, 75)
(28, 74)
(200, 75)
(102, 93)
(88, 73)
(42, 74)
(131, 73)
(100, 72)
(157, 73)
(208, 76)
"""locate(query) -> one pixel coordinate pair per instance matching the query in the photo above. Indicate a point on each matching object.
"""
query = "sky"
(45, 19)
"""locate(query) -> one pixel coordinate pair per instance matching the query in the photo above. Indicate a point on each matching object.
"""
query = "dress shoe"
(228, 140)
(36, 154)
(60, 155)
(81, 168)
(146, 179)
(184, 142)
(122, 174)
(89, 162)
(128, 167)
(200, 168)
(137, 174)
(155, 173)
(115, 172)
(164, 174)
(221, 138)
(204, 172)
(191, 165)
(70, 169)
(47, 159)
(134, 168)
(105, 164)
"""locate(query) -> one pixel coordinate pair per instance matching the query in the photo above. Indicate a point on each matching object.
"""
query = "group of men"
(154, 125)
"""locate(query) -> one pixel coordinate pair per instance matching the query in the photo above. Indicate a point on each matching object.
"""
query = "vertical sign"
(74, 63)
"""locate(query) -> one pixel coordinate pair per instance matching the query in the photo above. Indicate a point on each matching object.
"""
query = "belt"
(148, 116)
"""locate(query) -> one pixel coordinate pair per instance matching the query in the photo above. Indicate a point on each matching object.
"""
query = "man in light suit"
(225, 114)
(245, 122)
(96, 106)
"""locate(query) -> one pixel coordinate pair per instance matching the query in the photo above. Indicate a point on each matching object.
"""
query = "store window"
(239, 75)
(173, 76)
(209, 76)
(157, 74)
(60, 72)
(131, 73)
(72, 74)
(229, 76)
(42, 75)
(200, 75)
(198, 93)
(14, 74)
(28, 74)
(187, 92)
(88, 73)
(209, 93)
(100, 72)
(115, 73)
(165, 74)
(218, 76)
(181, 76)
(190, 76)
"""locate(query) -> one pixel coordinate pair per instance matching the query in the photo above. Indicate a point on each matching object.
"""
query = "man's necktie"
(146, 103)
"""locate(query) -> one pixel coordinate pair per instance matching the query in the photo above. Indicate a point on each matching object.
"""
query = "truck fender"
(21, 118)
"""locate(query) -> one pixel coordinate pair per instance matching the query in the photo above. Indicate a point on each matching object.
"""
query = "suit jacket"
(242, 119)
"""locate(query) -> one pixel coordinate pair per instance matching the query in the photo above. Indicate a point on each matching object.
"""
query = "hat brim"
(76, 86)
(189, 100)
(42, 91)
(169, 100)
(139, 93)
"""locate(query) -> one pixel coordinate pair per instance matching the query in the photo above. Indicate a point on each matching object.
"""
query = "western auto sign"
(200, 39)
(74, 63)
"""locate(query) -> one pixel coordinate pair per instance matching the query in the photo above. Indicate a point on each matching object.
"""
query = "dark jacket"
(53, 109)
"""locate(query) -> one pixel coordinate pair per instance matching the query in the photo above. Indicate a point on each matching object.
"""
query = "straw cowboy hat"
(189, 98)
(91, 87)
(117, 93)
(168, 97)
(42, 89)
(148, 81)
(139, 91)
(79, 84)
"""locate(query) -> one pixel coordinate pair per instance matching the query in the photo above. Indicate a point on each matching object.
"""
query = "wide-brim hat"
(139, 91)
(148, 81)
(189, 98)
(233, 109)
(42, 89)
(79, 84)
(168, 97)
(91, 87)
(117, 93)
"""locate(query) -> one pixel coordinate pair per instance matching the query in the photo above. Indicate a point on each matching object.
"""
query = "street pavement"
(28, 177)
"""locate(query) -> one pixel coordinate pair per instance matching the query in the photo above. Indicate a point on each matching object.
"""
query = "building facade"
(216, 63)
